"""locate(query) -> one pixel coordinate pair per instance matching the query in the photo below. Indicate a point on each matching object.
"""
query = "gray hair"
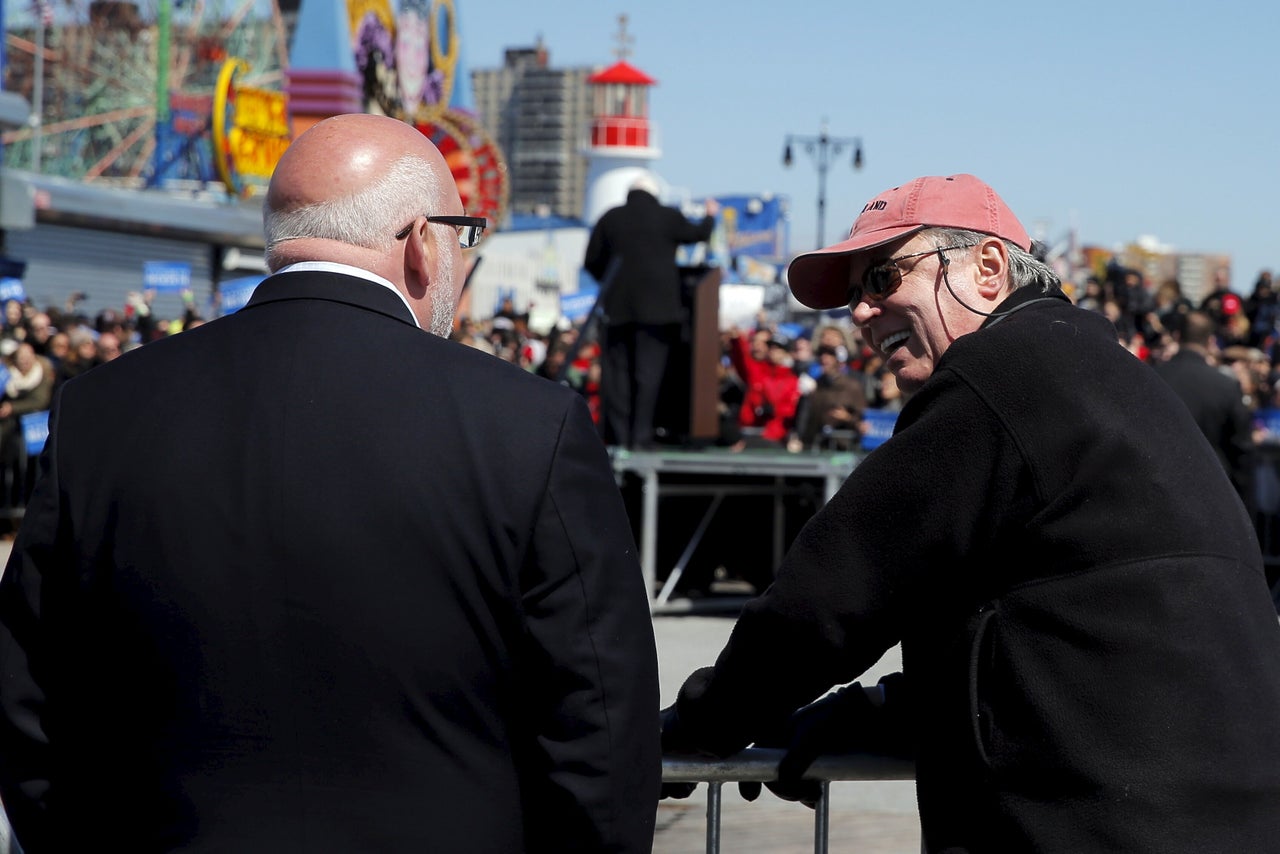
(369, 218)
(644, 181)
(1024, 268)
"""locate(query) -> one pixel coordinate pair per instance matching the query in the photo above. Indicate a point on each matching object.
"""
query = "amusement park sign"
(250, 131)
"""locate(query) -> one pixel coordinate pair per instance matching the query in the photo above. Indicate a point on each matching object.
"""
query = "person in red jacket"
(772, 388)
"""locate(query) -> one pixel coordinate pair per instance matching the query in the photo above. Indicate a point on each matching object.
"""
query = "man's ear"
(418, 254)
(992, 269)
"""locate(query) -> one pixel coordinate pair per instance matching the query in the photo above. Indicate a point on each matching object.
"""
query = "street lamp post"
(823, 148)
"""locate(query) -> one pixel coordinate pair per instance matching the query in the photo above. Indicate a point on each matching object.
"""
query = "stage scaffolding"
(770, 474)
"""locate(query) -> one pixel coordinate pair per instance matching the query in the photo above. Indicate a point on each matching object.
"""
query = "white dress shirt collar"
(348, 270)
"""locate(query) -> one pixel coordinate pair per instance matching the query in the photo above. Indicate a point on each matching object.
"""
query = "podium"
(688, 405)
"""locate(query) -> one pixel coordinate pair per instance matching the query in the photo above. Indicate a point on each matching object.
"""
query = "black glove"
(844, 721)
(825, 726)
(778, 736)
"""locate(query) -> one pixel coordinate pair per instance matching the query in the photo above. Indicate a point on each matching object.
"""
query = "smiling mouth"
(894, 341)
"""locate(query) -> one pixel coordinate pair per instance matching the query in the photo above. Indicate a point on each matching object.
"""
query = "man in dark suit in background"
(309, 591)
(632, 254)
(1215, 401)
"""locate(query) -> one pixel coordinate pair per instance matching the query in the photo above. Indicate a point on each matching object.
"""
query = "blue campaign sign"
(879, 427)
(35, 430)
(792, 330)
(578, 305)
(234, 294)
(11, 288)
(4, 377)
(166, 276)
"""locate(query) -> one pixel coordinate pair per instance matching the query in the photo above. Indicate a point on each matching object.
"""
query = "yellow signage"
(250, 130)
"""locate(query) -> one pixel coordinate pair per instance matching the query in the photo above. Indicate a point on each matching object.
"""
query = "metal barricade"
(758, 764)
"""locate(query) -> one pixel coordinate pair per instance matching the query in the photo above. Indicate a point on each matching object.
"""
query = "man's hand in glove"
(850, 719)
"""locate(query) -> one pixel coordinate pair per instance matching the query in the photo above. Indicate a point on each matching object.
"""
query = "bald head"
(346, 187)
(344, 156)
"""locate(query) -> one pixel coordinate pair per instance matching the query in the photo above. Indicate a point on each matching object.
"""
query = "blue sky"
(1122, 118)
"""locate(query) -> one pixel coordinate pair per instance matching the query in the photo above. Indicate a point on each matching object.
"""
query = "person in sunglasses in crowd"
(1091, 659)
(308, 590)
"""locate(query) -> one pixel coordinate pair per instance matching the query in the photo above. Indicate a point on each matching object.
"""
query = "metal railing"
(758, 764)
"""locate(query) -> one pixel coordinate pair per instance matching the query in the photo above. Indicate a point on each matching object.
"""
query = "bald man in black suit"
(294, 581)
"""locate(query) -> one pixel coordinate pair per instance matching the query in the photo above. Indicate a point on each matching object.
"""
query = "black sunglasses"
(880, 280)
(469, 228)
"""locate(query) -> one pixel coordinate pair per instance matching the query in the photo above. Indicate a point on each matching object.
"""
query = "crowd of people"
(791, 385)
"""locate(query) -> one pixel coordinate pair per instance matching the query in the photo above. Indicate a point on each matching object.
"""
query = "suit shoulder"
(496, 373)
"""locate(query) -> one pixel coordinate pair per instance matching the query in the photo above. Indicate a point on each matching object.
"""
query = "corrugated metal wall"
(105, 265)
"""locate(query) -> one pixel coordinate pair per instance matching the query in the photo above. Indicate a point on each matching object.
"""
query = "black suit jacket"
(1218, 408)
(308, 578)
(642, 237)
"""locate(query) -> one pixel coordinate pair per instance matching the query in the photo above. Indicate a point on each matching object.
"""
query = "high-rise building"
(539, 116)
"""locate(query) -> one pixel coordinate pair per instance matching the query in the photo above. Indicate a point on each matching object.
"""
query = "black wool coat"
(1092, 653)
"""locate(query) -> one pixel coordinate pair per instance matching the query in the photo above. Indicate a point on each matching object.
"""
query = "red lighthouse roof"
(622, 72)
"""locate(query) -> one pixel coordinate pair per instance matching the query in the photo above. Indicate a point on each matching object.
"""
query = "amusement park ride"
(190, 93)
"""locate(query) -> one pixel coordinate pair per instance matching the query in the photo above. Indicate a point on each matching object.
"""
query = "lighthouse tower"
(623, 141)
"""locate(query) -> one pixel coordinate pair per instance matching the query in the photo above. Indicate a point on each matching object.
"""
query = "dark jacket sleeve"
(684, 230)
(859, 572)
(590, 639)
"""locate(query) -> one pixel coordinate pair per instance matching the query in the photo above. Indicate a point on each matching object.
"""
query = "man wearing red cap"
(1091, 660)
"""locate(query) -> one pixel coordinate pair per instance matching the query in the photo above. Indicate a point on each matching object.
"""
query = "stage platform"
(716, 474)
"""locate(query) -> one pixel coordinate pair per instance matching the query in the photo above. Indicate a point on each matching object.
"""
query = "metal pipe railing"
(760, 764)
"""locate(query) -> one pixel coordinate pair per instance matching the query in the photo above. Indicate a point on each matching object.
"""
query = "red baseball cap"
(820, 279)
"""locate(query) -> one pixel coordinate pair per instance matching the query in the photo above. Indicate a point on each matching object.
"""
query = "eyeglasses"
(880, 280)
(469, 228)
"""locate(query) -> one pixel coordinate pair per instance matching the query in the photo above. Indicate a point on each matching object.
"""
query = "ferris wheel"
(107, 78)
(125, 90)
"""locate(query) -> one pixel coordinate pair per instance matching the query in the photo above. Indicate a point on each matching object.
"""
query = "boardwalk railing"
(758, 764)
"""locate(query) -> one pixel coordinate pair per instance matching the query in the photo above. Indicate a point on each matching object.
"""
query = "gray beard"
(442, 309)
(441, 318)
